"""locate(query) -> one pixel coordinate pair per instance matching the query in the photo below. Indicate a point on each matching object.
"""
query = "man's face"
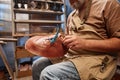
(77, 4)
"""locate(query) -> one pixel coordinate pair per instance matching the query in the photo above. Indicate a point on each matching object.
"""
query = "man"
(93, 40)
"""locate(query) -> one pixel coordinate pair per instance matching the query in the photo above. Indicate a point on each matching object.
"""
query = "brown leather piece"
(40, 45)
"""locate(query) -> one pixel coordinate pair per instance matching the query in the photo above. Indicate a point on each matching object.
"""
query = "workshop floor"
(24, 78)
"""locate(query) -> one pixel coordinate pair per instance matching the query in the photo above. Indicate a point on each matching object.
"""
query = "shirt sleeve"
(113, 18)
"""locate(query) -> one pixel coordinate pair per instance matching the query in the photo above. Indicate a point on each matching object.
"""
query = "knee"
(34, 66)
(37, 63)
(40, 64)
(46, 72)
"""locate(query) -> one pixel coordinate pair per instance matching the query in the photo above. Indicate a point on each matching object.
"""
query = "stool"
(2, 54)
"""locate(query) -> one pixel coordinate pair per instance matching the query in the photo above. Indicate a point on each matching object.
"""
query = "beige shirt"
(104, 19)
(103, 22)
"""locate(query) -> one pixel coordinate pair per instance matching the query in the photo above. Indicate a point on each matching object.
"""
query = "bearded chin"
(76, 5)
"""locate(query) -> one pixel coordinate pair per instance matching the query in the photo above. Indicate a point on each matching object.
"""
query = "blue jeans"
(42, 69)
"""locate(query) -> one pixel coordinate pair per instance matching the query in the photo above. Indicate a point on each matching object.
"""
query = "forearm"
(108, 45)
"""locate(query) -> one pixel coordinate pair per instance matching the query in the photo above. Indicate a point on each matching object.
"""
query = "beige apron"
(90, 65)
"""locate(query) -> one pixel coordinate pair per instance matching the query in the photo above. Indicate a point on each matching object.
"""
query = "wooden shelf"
(39, 21)
(2, 42)
(5, 33)
(21, 52)
(5, 20)
(33, 34)
(36, 22)
(5, 2)
(23, 73)
(1, 24)
(60, 2)
(8, 39)
(26, 11)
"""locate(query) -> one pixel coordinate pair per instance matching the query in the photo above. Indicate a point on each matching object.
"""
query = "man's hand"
(73, 42)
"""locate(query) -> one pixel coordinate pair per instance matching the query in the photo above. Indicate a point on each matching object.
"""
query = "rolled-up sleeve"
(113, 19)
